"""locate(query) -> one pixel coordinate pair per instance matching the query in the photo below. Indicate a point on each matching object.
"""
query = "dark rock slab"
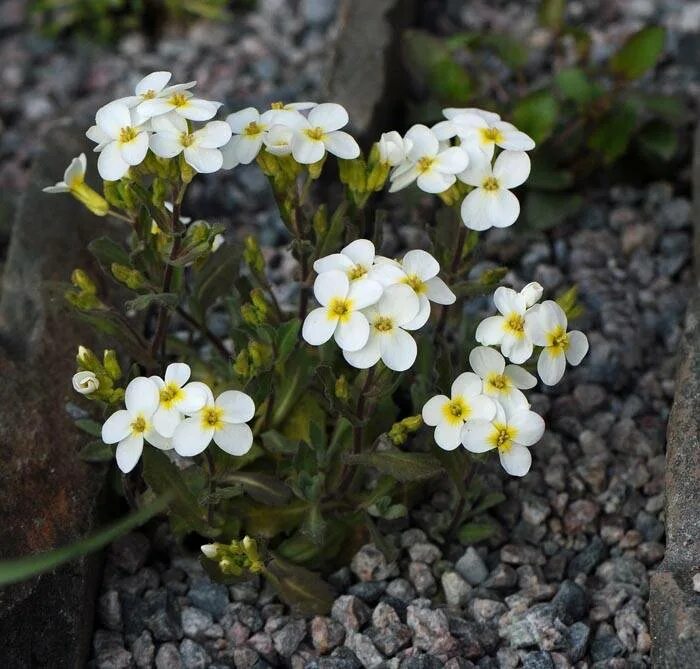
(49, 496)
(674, 605)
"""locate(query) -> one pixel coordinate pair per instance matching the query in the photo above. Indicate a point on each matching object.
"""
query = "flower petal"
(158, 440)
(475, 210)
(490, 330)
(341, 144)
(528, 424)
(240, 119)
(330, 285)
(433, 181)
(335, 261)
(198, 110)
(213, 135)
(578, 347)
(516, 461)
(466, 385)
(551, 367)
(155, 81)
(318, 328)
(364, 292)
(128, 452)
(142, 395)
(165, 144)
(421, 318)
(514, 139)
(420, 263)
(475, 436)
(448, 436)
(234, 439)
(483, 408)
(432, 409)
(398, 349)
(400, 303)
(517, 350)
(112, 118)
(306, 150)
(507, 301)
(361, 252)
(520, 377)
(195, 396)
(511, 168)
(436, 290)
(117, 427)
(485, 360)
(329, 116)
(191, 438)
(205, 161)
(110, 163)
(367, 356)
(503, 208)
(453, 160)
(353, 333)
(423, 142)
(166, 420)
(238, 407)
(178, 372)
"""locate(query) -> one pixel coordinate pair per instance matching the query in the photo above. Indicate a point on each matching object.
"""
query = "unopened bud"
(85, 383)
(342, 388)
(111, 364)
(88, 360)
(91, 199)
(82, 281)
(253, 255)
(210, 550)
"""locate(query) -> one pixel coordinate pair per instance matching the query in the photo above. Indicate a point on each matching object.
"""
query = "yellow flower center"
(252, 129)
(491, 136)
(514, 324)
(314, 133)
(140, 425)
(187, 139)
(178, 100)
(340, 308)
(490, 184)
(357, 272)
(415, 282)
(502, 437)
(170, 395)
(456, 411)
(498, 382)
(277, 105)
(384, 324)
(211, 418)
(127, 134)
(148, 95)
(557, 340)
(424, 164)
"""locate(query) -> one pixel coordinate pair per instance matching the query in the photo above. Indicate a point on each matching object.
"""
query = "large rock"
(49, 496)
(674, 605)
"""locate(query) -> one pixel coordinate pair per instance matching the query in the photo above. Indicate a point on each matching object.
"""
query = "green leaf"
(306, 592)
(488, 501)
(261, 487)
(163, 477)
(575, 85)
(613, 134)
(551, 14)
(391, 552)
(216, 277)
(13, 571)
(152, 299)
(639, 53)
(269, 521)
(547, 210)
(107, 251)
(659, 138)
(536, 114)
(472, 533)
(93, 428)
(287, 337)
(277, 443)
(96, 451)
(545, 176)
(402, 466)
(510, 50)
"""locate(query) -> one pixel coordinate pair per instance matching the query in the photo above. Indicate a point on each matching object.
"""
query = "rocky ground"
(565, 581)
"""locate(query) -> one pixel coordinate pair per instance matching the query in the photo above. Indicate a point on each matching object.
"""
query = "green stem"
(451, 273)
(212, 486)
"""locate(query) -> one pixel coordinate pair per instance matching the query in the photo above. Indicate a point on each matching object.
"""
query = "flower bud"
(253, 255)
(85, 383)
(342, 388)
(91, 199)
(315, 169)
(111, 364)
(82, 281)
(320, 221)
(532, 293)
(88, 360)
(413, 423)
(210, 550)
(130, 277)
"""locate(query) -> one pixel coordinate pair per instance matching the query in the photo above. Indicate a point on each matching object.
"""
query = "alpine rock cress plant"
(298, 433)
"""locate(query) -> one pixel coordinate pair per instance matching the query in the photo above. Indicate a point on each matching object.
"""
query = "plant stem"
(121, 217)
(459, 511)
(213, 339)
(212, 486)
(452, 271)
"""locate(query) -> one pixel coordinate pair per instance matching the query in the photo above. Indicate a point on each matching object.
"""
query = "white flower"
(177, 397)
(200, 148)
(548, 323)
(122, 141)
(487, 134)
(510, 330)
(278, 140)
(154, 86)
(129, 427)
(392, 148)
(356, 260)
(340, 314)
(217, 242)
(320, 132)
(449, 414)
(293, 106)
(510, 431)
(430, 165)
(85, 383)
(210, 550)
(532, 292)
(488, 116)
(502, 382)
(388, 339)
(491, 204)
(180, 101)
(223, 420)
(73, 177)
(419, 270)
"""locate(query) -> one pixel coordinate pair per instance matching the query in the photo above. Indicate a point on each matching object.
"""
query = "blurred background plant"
(589, 119)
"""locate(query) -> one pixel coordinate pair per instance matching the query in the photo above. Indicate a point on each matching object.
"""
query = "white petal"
(242, 149)
(155, 107)
(178, 372)
(483, 408)
(335, 261)
(341, 144)
(453, 160)
(367, 356)
(403, 179)
(128, 452)
(520, 377)
(165, 144)
(170, 122)
(196, 395)
(387, 273)
(503, 208)
(485, 360)
(59, 187)
(432, 409)
(135, 150)
(475, 210)
(191, 438)
(117, 427)
(448, 436)
(352, 334)
(466, 385)
(433, 181)
(306, 150)
(235, 439)
(213, 135)
(516, 461)
(75, 171)
(329, 116)
(361, 252)
(511, 168)
(96, 134)
(532, 293)
(420, 263)
(549, 315)
(551, 367)
(421, 318)
(507, 301)
(490, 330)
(110, 163)
(330, 285)
(318, 328)
(205, 161)
(142, 396)
(529, 426)
(476, 436)
(438, 291)
(400, 303)
(423, 142)
(198, 110)
(398, 349)
(155, 81)
(166, 420)
(112, 118)
(478, 170)
(238, 407)
(365, 292)
(517, 350)
(578, 347)
(514, 139)
(444, 130)
(158, 440)
(238, 121)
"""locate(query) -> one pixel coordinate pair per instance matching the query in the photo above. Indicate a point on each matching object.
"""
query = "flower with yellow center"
(427, 163)
(128, 428)
(153, 86)
(176, 397)
(548, 324)
(180, 101)
(85, 383)
(511, 430)
(356, 260)
(321, 132)
(224, 420)
(465, 404)
(340, 314)
(504, 383)
(74, 183)
(491, 203)
(510, 329)
(388, 338)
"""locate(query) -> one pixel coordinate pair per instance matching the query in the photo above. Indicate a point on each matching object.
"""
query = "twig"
(459, 511)
(212, 485)
(452, 271)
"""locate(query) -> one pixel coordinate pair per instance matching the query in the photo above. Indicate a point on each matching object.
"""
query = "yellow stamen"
(127, 134)
(314, 133)
(277, 105)
(253, 128)
(498, 382)
(514, 324)
(140, 425)
(170, 395)
(211, 418)
(415, 282)
(491, 136)
(148, 95)
(502, 437)
(187, 139)
(384, 324)
(456, 411)
(490, 184)
(424, 164)
(179, 100)
(557, 341)
(357, 272)
(340, 308)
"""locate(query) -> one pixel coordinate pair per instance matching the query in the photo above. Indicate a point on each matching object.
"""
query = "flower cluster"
(170, 413)
(487, 409)
(427, 156)
(370, 304)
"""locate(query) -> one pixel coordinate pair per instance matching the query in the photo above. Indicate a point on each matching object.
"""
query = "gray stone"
(319, 12)
(456, 589)
(193, 655)
(485, 610)
(606, 646)
(401, 589)
(471, 567)
(195, 622)
(326, 634)
(425, 552)
(521, 554)
(144, 651)
(577, 637)
(390, 638)
(110, 610)
(363, 648)
(130, 551)
(588, 559)
(351, 612)
(538, 660)
(422, 578)
(431, 630)
(288, 638)
(208, 596)
(537, 626)
(168, 657)
(110, 652)
(369, 564)
(570, 601)
(369, 591)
